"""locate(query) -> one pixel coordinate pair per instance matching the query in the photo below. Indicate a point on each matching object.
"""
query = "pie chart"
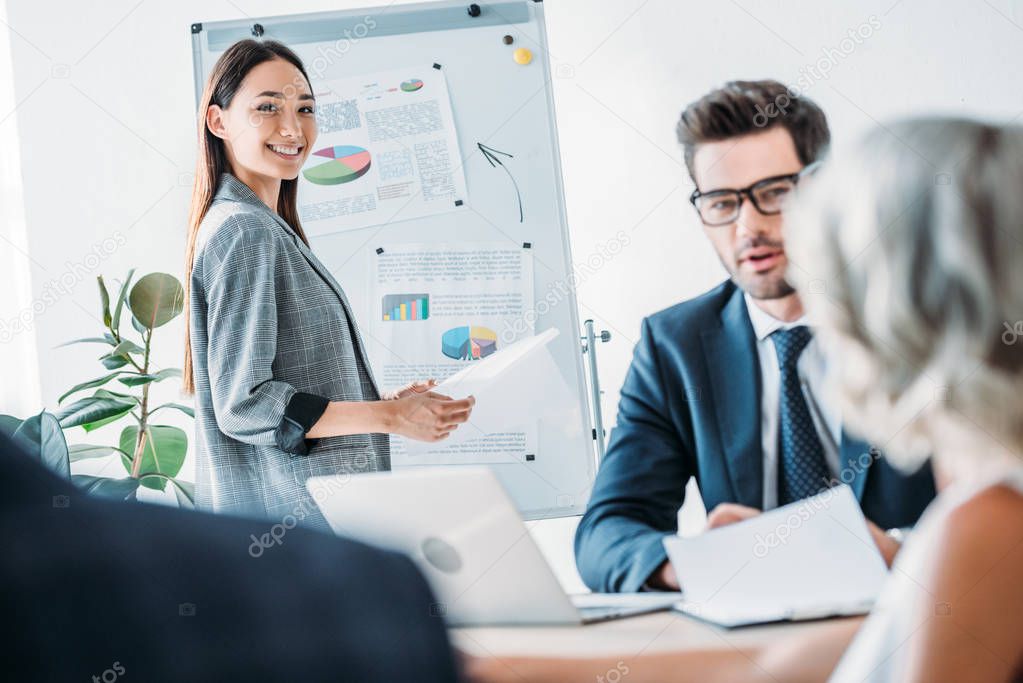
(469, 342)
(411, 85)
(347, 163)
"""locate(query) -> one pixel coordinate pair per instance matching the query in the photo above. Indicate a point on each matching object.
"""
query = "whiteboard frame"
(410, 19)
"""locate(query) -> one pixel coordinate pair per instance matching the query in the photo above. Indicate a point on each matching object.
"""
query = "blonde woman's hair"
(908, 251)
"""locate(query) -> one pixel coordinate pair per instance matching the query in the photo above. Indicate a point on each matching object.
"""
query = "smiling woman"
(274, 357)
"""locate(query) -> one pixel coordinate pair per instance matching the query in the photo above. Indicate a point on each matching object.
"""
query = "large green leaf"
(127, 399)
(105, 487)
(164, 452)
(184, 491)
(125, 347)
(113, 362)
(156, 299)
(42, 437)
(116, 325)
(106, 393)
(84, 451)
(9, 424)
(98, 382)
(187, 410)
(87, 411)
(105, 297)
(93, 426)
(135, 380)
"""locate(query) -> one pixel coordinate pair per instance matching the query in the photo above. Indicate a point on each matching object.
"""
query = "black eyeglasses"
(721, 207)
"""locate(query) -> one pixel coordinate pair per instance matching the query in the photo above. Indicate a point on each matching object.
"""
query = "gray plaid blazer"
(267, 322)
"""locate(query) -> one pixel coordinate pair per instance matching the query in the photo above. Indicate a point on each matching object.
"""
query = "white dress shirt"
(813, 374)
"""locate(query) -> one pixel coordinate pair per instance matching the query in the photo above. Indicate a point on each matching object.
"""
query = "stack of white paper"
(810, 559)
(513, 386)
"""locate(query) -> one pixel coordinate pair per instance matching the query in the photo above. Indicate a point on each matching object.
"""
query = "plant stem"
(140, 440)
(118, 339)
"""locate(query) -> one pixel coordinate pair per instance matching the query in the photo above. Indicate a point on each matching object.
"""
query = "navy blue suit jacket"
(690, 407)
(93, 589)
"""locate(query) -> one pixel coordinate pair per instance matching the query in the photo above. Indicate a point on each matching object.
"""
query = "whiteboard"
(504, 105)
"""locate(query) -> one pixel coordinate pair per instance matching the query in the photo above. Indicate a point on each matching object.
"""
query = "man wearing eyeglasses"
(731, 387)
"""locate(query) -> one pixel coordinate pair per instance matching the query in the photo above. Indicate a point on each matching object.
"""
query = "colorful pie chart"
(347, 163)
(411, 85)
(468, 342)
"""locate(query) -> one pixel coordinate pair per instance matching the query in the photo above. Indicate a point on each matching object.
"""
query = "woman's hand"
(409, 389)
(426, 415)
(887, 545)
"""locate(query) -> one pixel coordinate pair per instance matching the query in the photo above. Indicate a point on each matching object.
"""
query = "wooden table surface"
(658, 632)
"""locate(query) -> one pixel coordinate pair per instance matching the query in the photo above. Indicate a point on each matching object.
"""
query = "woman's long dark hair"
(221, 86)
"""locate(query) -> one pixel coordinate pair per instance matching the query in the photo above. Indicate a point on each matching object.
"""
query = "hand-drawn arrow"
(490, 153)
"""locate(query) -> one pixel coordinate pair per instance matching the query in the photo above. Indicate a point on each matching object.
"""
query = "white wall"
(104, 110)
(19, 376)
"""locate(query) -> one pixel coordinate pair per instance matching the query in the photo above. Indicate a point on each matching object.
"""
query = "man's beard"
(764, 287)
(776, 288)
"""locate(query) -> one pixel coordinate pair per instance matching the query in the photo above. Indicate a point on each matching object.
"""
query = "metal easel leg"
(590, 348)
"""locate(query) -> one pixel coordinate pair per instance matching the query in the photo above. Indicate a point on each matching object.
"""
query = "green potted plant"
(152, 454)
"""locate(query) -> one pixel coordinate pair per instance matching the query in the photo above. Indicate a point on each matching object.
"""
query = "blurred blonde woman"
(909, 253)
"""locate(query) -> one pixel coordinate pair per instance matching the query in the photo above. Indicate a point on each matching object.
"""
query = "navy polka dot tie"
(802, 471)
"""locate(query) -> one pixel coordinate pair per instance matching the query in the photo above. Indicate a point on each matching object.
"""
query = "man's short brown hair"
(743, 107)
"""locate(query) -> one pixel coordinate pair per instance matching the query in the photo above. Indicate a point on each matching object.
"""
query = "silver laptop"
(460, 527)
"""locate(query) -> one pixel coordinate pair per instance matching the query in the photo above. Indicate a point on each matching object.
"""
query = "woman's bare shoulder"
(974, 578)
(991, 520)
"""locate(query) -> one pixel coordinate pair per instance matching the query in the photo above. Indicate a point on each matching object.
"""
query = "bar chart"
(399, 307)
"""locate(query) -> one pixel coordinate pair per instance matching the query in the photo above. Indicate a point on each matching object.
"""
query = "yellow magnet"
(523, 56)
